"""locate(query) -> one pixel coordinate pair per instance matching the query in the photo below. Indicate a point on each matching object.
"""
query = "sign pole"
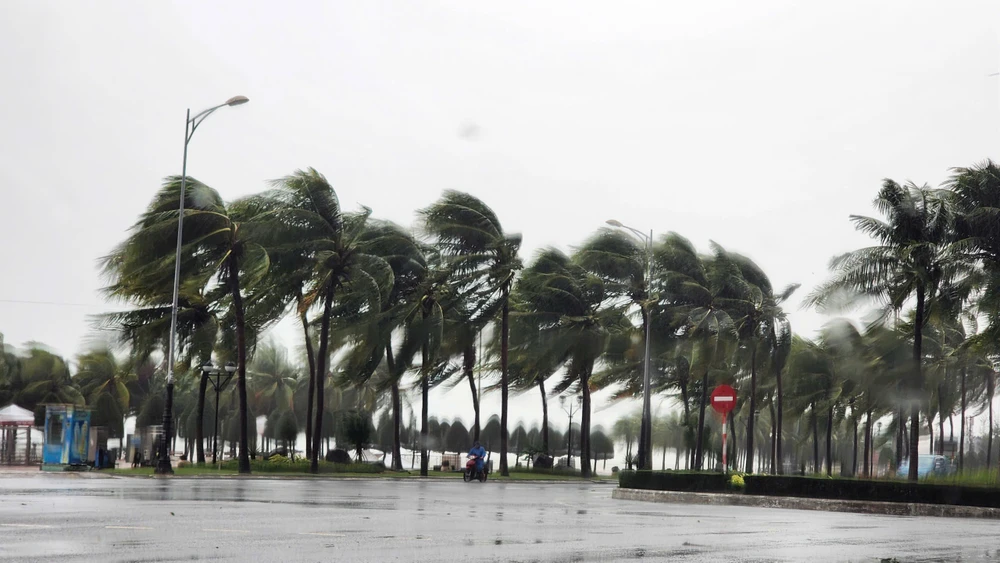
(723, 401)
(725, 466)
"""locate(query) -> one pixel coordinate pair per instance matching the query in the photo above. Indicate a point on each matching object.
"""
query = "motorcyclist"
(480, 454)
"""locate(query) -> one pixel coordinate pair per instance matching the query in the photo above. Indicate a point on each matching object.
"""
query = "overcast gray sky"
(760, 125)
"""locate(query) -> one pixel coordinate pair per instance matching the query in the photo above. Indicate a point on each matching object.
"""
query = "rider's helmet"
(475, 444)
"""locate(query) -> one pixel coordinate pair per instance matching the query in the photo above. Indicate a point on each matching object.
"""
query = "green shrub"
(736, 482)
(566, 471)
(694, 481)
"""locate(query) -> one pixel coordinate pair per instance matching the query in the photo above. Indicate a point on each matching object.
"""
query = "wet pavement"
(55, 517)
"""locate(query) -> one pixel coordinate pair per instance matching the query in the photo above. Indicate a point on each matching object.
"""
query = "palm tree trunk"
(829, 441)
(686, 423)
(930, 430)
(321, 360)
(990, 382)
(941, 420)
(753, 406)
(397, 410)
(815, 425)
(774, 427)
(677, 459)
(199, 431)
(733, 452)
(663, 462)
(961, 437)
(311, 392)
(868, 445)
(545, 416)
(918, 384)
(854, 464)
(900, 427)
(241, 353)
(701, 422)
(424, 392)
(504, 345)
(585, 421)
(780, 422)
(469, 365)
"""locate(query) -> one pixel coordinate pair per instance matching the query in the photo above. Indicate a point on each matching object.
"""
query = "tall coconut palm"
(756, 310)
(569, 306)
(483, 257)
(695, 293)
(221, 250)
(304, 214)
(622, 264)
(910, 259)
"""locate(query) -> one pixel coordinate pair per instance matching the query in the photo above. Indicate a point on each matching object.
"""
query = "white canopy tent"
(13, 419)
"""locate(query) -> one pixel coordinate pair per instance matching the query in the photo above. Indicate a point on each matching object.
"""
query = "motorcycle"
(470, 470)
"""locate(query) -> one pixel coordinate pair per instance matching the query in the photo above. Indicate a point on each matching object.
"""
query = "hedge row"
(815, 487)
(868, 490)
(693, 481)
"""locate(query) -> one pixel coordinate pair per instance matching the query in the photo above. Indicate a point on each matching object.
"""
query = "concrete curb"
(794, 503)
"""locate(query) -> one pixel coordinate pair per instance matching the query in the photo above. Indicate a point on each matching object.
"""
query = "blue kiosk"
(67, 438)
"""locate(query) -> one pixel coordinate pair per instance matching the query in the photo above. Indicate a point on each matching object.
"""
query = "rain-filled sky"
(758, 125)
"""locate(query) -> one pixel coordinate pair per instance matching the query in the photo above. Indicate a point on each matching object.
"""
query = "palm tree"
(626, 429)
(273, 379)
(622, 265)
(220, 246)
(484, 258)
(760, 322)
(911, 259)
(695, 294)
(574, 321)
(45, 379)
(104, 382)
(305, 215)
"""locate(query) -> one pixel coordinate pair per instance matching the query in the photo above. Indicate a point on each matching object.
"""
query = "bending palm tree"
(220, 246)
(305, 214)
(469, 233)
(910, 260)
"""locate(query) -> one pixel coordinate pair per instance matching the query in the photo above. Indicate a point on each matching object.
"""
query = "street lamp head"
(207, 367)
(614, 223)
(237, 101)
(231, 367)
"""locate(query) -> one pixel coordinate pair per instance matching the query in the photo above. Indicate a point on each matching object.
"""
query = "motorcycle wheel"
(482, 477)
(467, 476)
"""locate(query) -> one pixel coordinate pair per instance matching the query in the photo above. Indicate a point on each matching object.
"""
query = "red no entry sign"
(723, 399)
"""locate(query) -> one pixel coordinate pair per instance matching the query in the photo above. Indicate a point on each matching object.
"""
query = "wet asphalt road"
(60, 518)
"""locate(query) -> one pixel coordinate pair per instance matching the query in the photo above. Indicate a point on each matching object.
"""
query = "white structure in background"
(20, 441)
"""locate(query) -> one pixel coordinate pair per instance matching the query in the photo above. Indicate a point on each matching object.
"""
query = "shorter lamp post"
(219, 377)
(570, 408)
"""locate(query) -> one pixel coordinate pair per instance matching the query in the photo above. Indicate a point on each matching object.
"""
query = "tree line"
(382, 307)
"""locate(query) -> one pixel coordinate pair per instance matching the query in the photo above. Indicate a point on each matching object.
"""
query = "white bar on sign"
(724, 399)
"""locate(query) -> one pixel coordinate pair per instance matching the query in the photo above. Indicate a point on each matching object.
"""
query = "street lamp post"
(215, 377)
(646, 426)
(190, 125)
(572, 408)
